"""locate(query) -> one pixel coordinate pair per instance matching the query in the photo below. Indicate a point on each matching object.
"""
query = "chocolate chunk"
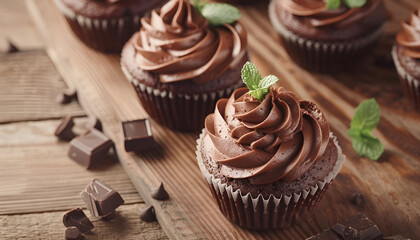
(160, 193)
(109, 217)
(358, 199)
(101, 199)
(12, 48)
(137, 135)
(72, 233)
(148, 214)
(77, 218)
(358, 227)
(64, 129)
(67, 96)
(326, 235)
(90, 148)
(94, 122)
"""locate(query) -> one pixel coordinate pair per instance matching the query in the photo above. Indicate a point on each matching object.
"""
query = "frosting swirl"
(319, 15)
(178, 44)
(409, 36)
(279, 138)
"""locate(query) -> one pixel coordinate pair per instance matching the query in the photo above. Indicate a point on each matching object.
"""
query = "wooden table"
(390, 185)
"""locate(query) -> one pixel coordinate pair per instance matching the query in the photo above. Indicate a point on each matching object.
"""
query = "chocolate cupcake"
(180, 65)
(406, 54)
(267, 162)
(105, 25)
(327, 40)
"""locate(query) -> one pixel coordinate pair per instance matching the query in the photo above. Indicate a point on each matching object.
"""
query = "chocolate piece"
(12, 48)
(357, 227)
(137, 135)
(109, 217)
(72, 233)
(89, 148)
(358, 199)
(326, 235)
(101, 199)
(94, 122)
(67, 96)
(64, 129)
(160, 193)
(148, 214)
(77, 218)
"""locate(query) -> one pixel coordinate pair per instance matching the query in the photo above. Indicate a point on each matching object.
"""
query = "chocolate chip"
(358, 199)
(72, 233)
(100, 199)
(64, 129)
(160, 193)
(77, 218)
(90, 148)
(148, 214)
(137, 135)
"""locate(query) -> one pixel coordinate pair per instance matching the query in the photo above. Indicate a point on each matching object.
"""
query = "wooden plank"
(29, 84)
(390, 185)
(46, 226)
(36, 175)
(16, 26)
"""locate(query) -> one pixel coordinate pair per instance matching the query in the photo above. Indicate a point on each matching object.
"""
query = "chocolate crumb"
(12, 48)
(358, 199)
(64, 129)
(148, 214)
(72, 233)
(77, 218)
(67, 96)
(160, 193)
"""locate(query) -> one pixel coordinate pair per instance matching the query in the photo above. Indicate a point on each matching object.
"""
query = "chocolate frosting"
(177, 43)
(277, 139)
(318, 15)
(409, 36)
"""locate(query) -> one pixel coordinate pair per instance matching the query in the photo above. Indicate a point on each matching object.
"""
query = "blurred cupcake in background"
(105, 25)
(327, 36)
(181, 63)
(406, 55)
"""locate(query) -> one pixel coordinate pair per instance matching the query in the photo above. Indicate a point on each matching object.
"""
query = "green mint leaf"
(199, 6)
(355, 3)
(251, 76)
(266, 82)
(333, 4)
(259, 93)
(220, 13)
(367, 116)
(368, 146)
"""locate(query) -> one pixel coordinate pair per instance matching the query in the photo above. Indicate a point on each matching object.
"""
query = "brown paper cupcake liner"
(271, 213)
(410, 85)
(106, 35)
(323, 56)
(181, 112)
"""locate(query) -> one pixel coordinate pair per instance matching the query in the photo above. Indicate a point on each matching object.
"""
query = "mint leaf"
(355, 3)
(220, 13)
(333, 4)
(258, 86)
(365, 119)
(366, 116)
(368, 146)
(199, 6)
(251, 76)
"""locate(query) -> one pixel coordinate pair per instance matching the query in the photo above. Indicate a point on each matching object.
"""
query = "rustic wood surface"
(389, 185)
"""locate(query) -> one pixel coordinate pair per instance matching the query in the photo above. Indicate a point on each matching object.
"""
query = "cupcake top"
(276, 137)
(178, 44)
(314, 19)
(409, 36)
(111, 8)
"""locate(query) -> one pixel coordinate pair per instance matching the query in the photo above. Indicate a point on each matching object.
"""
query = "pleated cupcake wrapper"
(322, 56)
(410, 85)
(106, 35)
(274, 212)
(182, 112)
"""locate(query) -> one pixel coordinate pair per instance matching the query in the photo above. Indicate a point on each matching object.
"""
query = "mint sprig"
(334, 4)
(365, 119)
(218, 13)
(257, 85)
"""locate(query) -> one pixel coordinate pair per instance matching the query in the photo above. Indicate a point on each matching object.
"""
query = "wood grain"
(390, 185)
(29, 84)
(46, 226)
(37, 176)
